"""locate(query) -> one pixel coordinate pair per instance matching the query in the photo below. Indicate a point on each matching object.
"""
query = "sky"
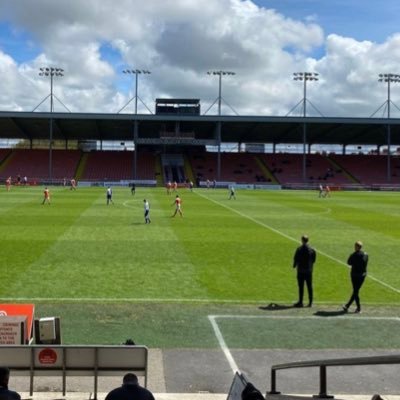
(347, 42)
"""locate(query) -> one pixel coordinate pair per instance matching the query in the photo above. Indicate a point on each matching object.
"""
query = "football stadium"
(212, 255)
(212, 291)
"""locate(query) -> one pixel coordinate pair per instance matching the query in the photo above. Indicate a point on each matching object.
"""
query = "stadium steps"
(344, 171)
(5, 161)
(187, 168)
(80, 169)
(265, 170)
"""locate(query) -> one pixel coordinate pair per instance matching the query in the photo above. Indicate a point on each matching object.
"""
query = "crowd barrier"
(68, 360)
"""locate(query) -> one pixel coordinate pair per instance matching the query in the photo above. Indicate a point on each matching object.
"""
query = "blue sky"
(360, 19)
(347, 42)
(17, 42)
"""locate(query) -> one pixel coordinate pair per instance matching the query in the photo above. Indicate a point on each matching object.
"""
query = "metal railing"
(323, 364)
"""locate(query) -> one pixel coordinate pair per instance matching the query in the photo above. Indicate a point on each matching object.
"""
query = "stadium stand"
(146, 165)
(4, 153)
(35, 164)
(288, 168)
(118, 165)
(369, 169)
(108, 165)
(235, 167)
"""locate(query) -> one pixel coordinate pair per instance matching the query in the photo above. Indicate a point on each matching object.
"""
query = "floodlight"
(135, 72)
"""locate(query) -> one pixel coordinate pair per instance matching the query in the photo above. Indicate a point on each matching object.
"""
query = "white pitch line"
(165, 300)
(144, 299)
(125, 204)
(223, 345)
(294, 240)
(315, 317)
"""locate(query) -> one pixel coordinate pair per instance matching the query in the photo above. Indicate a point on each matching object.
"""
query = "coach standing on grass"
(304, 259)
(358, 262)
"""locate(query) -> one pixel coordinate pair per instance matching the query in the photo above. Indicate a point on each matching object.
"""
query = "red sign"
(47, 356)
(13, 310)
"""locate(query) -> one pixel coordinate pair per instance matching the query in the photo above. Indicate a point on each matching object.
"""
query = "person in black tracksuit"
(358, 262)
(304, 259)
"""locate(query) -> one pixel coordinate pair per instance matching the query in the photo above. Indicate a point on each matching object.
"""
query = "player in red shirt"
(327, 191)
(46, 198)
(8, 183)
(169, 185)
(178, 203)
(73, 184)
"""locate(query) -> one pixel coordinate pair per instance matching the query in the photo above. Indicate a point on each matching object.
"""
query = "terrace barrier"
(68, 360)
(323, 364)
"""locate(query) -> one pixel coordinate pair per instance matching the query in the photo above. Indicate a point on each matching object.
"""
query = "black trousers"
(307, 278)
(357, 281)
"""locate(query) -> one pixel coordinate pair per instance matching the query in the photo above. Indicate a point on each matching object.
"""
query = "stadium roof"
(244, 129)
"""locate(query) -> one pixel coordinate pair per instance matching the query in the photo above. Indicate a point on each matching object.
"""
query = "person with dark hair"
(133, 188)
(5, 393)
(358, 262)
(304, 259)
(130, 390)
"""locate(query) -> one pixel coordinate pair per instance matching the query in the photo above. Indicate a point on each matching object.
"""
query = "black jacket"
(6, 394)
(130, 392)
(358, 262)
(304, 258)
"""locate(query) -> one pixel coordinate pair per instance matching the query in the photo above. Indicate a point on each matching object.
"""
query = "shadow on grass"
(330, 313)
(276, 307)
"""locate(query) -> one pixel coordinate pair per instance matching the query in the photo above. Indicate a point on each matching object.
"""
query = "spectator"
(130, 390)
(5, 393)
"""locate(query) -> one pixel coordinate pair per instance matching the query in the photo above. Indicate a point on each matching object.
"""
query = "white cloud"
(179, 40)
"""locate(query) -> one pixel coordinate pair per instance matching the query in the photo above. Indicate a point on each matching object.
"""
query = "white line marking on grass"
(224, 347)
(314, 317)
(125, 204)
(165, 300)
(222, 343)
(326, 211)
(294, 240)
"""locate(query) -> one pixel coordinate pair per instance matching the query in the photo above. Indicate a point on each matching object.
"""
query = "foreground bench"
(63, 361)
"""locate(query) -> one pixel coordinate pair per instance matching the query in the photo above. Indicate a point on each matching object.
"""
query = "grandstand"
(35, 164)
(287, 169)
(190, 136)
(369, 169)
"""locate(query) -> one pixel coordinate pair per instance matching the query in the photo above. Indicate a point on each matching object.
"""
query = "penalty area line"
(314, 317)
(222, 344)
(225, 349)
(294, 240)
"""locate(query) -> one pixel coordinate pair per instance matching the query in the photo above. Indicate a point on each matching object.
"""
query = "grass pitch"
(109, 275)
